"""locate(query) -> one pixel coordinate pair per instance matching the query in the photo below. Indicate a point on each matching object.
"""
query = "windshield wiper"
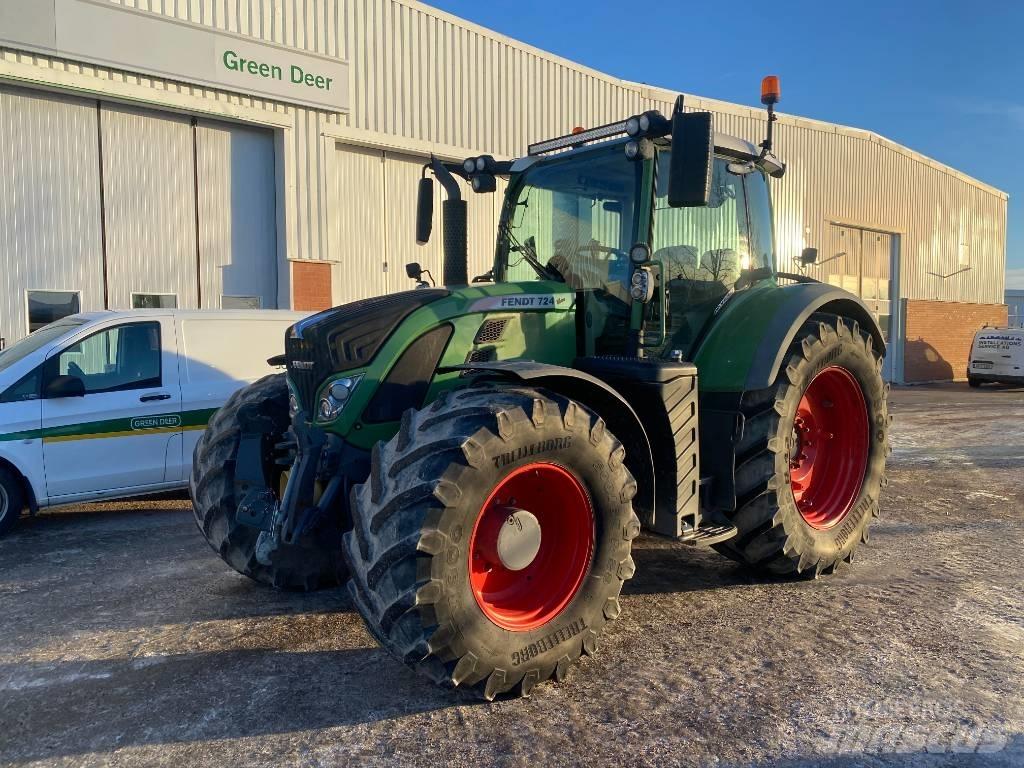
(529, 252)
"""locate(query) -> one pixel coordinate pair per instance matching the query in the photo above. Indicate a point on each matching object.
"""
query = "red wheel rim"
(830, 453)
(524, 599)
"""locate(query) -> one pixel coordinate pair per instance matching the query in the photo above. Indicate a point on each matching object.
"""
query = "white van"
(103, 405)
(997, 354)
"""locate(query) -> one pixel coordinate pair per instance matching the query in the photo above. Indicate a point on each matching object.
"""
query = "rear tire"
(418, 549)
(306, 565)
(973, 383)
(833, 369)
(12, 500)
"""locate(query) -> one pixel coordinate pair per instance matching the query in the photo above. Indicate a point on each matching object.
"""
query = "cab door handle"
(151, 398)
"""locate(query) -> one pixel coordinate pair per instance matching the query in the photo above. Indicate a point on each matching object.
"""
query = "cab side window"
(707, 245)
(762, 249)
(115, 359)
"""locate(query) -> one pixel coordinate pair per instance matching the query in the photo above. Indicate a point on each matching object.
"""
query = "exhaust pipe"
(454, 239)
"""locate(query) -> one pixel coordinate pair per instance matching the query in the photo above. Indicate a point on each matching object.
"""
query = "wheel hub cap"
(518, 540)
(531, 546)
(831, 439)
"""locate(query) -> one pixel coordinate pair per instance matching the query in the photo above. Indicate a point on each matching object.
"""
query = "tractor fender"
(748, 339)
(615, 410)
(802, 301)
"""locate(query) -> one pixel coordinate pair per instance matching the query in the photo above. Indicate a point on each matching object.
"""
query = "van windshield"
(35, 340)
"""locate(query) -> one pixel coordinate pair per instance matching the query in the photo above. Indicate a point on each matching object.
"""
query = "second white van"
(997, 355)
(104, 405)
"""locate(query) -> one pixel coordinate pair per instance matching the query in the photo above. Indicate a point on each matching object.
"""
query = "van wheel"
(311, 563)
(973, 383)
(12, 499)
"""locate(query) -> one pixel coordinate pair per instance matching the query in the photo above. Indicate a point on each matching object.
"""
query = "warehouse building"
(1015, 307)
(207, 153)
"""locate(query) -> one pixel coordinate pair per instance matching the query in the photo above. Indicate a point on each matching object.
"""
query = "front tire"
(312, 563)
(973, 383)
(12, 500)
(811, 463)
(492, 538)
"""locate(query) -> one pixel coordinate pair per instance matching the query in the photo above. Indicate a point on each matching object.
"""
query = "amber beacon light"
(770, 91)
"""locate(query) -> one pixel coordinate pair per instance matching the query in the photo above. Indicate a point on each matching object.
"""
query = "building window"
(154, 301)
(114, 359)
(45, 307)
(241, 302)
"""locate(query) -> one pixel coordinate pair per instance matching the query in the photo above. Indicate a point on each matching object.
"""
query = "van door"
(219, 356)
(115, 436)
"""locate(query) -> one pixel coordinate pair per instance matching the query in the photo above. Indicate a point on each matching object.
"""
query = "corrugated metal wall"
(49, 203)
(421, 75)
(372, 202)
(318, 26)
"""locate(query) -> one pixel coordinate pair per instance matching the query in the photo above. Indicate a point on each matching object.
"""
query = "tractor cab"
(598, 218)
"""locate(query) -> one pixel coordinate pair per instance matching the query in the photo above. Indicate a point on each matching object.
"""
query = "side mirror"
(65, 386)
(691, 162)
(808, 256)
(413, 270)
(424, 211)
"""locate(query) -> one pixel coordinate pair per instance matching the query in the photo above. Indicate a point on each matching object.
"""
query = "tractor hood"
(346, 337)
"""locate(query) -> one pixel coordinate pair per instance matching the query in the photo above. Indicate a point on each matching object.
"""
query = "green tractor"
(475, 461)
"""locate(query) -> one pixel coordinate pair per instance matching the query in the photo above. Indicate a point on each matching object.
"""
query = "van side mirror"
(808, 256)
(692, 158)
(64, 386)
(413, 270)
(424, 211)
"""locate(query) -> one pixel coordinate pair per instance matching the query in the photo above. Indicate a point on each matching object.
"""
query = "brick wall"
(311, 285)
(939, 336)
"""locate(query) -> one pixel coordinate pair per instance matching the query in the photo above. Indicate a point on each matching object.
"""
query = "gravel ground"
(124, 640)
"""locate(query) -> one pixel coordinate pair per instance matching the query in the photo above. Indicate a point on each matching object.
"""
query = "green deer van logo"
(157, 422)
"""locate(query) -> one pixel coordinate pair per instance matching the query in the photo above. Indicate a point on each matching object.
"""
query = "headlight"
(633, 126)
(641, 288)
(333, 400)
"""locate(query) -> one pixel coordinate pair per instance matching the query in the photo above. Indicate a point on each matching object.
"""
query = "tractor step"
(706, 535)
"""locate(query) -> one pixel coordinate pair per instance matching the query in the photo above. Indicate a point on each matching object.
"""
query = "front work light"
(640, 253)
(770, 91)
(333, 400)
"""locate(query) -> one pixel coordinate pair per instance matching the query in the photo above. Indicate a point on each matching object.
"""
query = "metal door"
(860, 261)
(237, 198)
(357, 232)
(149, 197)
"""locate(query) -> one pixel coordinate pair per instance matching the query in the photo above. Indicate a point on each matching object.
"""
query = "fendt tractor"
(476, 460)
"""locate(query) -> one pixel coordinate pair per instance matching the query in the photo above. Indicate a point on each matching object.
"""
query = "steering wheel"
(74, 369)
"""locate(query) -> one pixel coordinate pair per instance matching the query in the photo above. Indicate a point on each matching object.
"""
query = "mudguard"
(746, 345)
(616, 411)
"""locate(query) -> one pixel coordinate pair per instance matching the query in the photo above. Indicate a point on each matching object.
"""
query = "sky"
(945, 78)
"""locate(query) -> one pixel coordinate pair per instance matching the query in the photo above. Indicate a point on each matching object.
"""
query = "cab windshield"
(572, 220)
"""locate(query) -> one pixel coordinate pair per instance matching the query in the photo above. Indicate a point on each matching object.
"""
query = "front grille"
(491, 331)
(482, 355)
(305, 379)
